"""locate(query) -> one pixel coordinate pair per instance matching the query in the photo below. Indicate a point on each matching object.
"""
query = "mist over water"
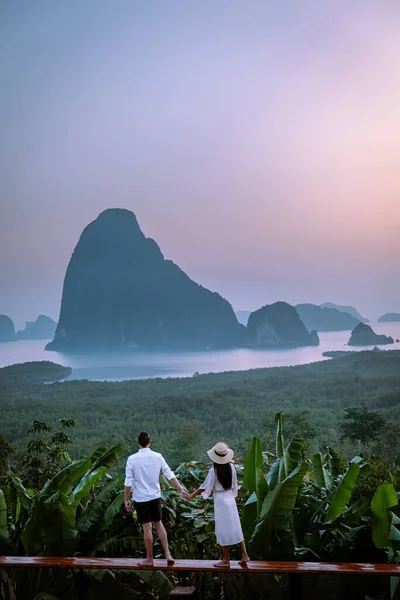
(143, 365)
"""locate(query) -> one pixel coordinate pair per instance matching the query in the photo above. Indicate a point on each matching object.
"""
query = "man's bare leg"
(245, 557)
(162, 534)
(225, 562)
(148, 542)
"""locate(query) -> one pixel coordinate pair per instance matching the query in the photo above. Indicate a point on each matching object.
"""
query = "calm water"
(142, 365)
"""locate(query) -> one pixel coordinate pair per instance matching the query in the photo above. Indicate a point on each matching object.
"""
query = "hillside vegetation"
(186, 416)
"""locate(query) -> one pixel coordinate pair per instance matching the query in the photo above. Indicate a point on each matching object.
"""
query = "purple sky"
(257, 142)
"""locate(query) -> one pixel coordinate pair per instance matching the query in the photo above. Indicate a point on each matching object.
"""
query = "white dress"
(228, 529)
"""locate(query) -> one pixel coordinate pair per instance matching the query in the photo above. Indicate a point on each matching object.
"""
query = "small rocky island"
(7, 329)
(389, 318)
(325, 319)
(278, 325)
(363, 335)
(42, 329)
(346, 309)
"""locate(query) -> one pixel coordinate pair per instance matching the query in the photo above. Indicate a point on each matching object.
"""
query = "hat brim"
(220, 460)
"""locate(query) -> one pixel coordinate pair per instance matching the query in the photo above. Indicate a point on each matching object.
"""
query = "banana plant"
(385, 533)
(254, 481)
(266, 516)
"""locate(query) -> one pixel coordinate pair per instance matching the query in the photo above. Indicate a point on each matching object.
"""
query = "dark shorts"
(149, 512)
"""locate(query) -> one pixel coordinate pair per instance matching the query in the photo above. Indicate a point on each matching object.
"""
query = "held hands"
(186, 496)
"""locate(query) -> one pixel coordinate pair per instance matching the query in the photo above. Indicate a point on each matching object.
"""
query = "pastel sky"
(257, 141)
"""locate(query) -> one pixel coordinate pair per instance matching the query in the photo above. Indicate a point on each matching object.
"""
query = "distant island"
(325, 319)
(389, 318)
(363, 335)
(7, 329)
(42, 329)
(278, 325)
(346, 309)
(35, 372)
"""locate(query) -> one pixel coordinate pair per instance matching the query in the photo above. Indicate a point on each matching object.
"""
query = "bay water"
(136, 364)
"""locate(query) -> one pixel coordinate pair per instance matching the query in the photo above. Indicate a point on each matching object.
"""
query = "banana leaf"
(279, 503)
(273, 474)
(394, 588)
(157, 579)
(51, 527)
(85, 485)
(322, 478)
(119, 546)
(280, 443)
(113, 509)
(385, 497)
(108, 458)
(343, 492)
(248, 516)
(97, 453)
(95, 512)
(334, 462)
(4, 533)
(254, 479)
(65, 479)
(21, 491)
(293, 452)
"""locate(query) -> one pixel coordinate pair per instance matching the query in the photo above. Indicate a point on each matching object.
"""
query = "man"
(143, 475)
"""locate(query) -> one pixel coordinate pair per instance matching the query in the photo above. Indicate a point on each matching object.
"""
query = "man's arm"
(127, 498)
(178, 486)
(170, 475)
(128, 486)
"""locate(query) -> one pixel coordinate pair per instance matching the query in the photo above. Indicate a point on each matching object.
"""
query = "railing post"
(295, 587)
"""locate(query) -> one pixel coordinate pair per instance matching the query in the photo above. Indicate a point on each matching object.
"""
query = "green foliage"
(5, 451)
(343, 491)
(291, 507)
(44, 457)
(228, 406)
(384, 521)
(361, 425)
(254, 479)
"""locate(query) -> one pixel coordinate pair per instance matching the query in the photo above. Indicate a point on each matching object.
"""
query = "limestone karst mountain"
(120, 292)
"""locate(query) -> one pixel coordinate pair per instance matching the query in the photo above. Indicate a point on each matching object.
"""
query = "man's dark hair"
(143, 439)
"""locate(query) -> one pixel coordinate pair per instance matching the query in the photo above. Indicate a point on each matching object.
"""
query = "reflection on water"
(143, 365)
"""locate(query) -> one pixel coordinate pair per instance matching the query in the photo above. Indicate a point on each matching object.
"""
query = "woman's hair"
(143, 439)
(224, 475)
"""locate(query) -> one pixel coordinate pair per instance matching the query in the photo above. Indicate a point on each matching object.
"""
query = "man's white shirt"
(143, 474)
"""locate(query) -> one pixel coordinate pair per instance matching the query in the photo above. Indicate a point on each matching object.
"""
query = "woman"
(222, 482)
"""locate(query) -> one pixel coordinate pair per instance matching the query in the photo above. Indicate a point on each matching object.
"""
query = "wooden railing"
(255, 566)
(294, 570)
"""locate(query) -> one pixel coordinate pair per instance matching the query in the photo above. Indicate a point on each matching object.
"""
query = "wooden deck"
(300, 568)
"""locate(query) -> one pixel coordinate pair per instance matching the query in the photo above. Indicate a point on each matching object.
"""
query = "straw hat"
(220, 454)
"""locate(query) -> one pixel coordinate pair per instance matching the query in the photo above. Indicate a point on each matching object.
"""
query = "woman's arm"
(196, 493)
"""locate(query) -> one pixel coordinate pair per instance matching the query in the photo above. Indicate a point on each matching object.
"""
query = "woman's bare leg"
(225, 558)
(245, 557)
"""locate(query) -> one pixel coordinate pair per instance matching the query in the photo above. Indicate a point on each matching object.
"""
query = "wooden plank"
(305, 568)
